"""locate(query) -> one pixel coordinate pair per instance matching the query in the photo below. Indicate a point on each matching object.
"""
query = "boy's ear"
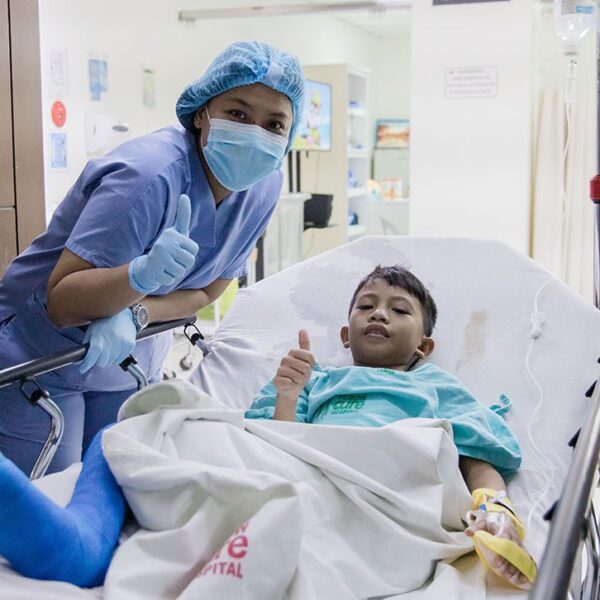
(425, 348)
(344, 336)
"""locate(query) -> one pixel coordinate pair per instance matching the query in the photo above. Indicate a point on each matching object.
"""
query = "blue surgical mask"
(239, 154)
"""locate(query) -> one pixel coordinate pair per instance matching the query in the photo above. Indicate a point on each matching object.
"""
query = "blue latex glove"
(111, 341)
(170, 257)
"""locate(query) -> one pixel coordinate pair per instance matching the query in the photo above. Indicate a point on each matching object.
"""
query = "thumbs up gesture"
(295, 370)
(170, 257)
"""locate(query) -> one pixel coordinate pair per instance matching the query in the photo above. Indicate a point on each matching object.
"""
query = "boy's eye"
(400, 311)
(364, 306)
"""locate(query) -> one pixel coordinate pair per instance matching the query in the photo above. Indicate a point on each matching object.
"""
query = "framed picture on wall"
(392, 133)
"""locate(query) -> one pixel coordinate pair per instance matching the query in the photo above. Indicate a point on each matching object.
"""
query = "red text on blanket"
(233, 550)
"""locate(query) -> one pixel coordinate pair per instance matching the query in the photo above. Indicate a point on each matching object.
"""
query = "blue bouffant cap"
(245, 63)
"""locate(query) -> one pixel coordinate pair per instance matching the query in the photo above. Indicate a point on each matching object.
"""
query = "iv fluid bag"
(573, 19)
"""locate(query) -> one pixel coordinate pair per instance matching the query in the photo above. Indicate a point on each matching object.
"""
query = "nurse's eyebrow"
(240, 101)
(245, 104)
(281, 115)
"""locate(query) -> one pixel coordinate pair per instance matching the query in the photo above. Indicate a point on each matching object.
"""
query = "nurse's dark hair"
(400, 277)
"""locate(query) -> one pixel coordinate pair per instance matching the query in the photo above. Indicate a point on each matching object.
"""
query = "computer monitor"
(314, 131)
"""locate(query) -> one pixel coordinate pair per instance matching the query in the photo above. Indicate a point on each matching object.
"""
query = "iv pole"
(595, 182)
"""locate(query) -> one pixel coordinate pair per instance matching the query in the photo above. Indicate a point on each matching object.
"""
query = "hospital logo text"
(228, 560)
(344, 404)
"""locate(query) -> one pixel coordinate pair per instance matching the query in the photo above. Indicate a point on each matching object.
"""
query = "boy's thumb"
(184, 215)
(303, 340)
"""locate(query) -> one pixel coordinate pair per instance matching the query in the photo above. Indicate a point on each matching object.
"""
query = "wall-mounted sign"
(471, 82)
(438, 2)
(149, 88)
(59, 113)
(98, 74)
(58, 150)
(58, 72)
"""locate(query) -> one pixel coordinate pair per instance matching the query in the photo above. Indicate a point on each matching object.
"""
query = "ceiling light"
(290, 9)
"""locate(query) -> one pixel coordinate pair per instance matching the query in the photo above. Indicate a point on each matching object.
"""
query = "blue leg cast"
(74, 544)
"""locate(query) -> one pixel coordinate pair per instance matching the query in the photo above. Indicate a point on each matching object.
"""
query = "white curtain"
(563, 229)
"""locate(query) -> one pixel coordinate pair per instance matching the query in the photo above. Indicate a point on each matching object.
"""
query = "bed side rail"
(45, 364)
(568, 525)
(24, 375)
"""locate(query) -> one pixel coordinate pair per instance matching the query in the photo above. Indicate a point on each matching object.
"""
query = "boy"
(391, 319)
(390, 322)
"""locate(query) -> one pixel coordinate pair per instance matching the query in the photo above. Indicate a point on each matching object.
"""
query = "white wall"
(390, 79)
(470, 158)
(146, 33)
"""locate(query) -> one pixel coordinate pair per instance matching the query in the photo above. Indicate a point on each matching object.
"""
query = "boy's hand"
(295, 370)
(500, 525)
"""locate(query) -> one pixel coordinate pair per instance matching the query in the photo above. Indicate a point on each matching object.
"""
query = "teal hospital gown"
(373, 397)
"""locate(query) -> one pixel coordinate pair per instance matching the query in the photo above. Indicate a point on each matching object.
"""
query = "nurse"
(153, 231)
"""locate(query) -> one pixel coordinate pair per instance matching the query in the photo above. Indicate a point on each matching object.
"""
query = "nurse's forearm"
(176, 305)
(86, 295)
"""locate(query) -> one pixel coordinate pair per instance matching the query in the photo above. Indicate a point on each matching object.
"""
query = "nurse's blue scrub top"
(115, 211)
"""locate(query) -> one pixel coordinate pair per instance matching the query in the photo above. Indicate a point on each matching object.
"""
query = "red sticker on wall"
(59, 113)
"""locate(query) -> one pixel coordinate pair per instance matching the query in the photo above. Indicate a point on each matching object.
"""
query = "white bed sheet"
(485, 294)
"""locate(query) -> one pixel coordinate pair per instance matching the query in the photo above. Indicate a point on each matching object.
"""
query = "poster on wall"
(98, 75)
(471, 82)
(392, 133)
(314, 131)
(58, 150)
(58, 72)
(149, 88)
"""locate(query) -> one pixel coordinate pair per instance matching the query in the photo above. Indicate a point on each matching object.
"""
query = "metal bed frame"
(25, 376)
(573, 518)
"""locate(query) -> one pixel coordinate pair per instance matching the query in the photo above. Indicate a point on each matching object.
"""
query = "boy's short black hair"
(400, 277)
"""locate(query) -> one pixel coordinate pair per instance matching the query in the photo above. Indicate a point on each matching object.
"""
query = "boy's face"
(385, 328)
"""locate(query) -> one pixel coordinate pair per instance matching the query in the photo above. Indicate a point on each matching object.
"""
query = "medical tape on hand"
(511, 551)
(491, 501)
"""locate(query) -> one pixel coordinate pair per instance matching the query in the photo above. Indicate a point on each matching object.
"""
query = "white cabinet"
(387, 217)
(283, 238)
(328, 172)
(392, 163)
(357, 122)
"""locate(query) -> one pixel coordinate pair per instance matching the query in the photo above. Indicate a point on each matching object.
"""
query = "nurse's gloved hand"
(111, 341)
(170, 257)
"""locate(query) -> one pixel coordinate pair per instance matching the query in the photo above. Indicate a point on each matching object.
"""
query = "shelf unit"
(357, 124)
(355, 192)
(355, 232)
(327, 172)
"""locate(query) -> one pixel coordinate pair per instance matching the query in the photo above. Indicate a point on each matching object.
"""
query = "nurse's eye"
(277, 127)
(237, 114)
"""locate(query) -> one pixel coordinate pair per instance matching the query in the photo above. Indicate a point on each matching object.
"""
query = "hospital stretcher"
(491, 299)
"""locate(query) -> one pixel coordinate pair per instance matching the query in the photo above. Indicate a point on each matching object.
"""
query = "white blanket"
(264, 509)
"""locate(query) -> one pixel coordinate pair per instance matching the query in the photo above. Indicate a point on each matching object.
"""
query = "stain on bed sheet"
(474, 336)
